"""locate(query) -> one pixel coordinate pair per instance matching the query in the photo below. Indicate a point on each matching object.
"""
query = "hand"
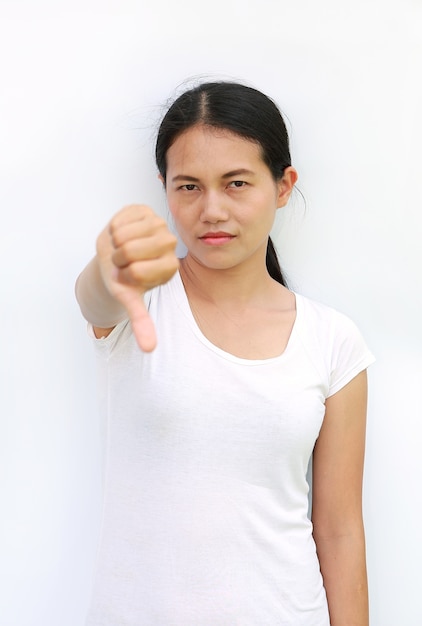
(136, 252)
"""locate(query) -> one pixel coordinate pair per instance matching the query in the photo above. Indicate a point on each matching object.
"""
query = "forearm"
(343, 567)
(97, 304)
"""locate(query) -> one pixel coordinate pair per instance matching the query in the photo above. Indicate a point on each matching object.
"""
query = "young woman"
(219, 385)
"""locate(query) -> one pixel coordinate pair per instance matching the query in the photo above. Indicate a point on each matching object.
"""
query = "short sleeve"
(349, 354)
(121, 333)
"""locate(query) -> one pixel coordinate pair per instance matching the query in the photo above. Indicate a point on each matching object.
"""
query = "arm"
(337, 504)
(97, 304)
(135, 253)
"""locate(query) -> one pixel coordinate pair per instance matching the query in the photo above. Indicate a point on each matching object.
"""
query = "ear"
(285, 186)
(162, 180)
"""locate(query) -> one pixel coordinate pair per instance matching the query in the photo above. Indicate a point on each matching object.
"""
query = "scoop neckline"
(182, 300)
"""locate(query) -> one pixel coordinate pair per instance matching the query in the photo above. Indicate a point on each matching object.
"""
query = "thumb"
(142, 325)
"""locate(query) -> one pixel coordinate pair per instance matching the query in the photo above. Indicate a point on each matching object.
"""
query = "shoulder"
(324, 319)
(332, 337)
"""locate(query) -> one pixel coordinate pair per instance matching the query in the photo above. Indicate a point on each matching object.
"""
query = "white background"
(82, 86)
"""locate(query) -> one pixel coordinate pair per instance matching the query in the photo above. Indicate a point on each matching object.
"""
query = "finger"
(149, 273)
(137, 229)
(144, 331)
(146, 248)
(129, 214)
(142, 325)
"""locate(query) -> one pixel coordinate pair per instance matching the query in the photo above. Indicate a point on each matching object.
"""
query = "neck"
(237, 284)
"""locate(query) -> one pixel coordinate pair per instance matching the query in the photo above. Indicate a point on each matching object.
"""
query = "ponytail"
(273, 266)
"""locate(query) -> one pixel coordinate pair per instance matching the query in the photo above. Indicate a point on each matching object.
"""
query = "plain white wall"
(82, 86)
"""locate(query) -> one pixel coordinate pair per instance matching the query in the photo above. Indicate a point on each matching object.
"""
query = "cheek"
(179, 216)
(173, 206)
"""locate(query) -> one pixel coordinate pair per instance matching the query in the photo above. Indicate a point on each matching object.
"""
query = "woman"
(219, 385)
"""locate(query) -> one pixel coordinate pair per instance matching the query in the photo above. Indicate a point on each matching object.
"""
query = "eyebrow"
(192, 179)
(240, 172)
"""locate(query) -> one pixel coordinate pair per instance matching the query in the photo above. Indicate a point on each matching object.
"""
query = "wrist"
(97, 304)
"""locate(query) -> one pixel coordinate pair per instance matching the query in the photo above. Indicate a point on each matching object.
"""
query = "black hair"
(242, 110)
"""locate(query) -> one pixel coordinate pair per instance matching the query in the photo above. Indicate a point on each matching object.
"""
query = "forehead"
(212, 145)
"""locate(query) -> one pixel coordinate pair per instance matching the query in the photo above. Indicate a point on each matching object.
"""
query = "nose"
(213, 208)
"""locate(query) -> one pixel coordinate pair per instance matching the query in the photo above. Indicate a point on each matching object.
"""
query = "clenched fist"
(136, 252)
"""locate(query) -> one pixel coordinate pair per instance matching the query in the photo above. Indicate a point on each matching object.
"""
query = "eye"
(237, 183)
(189, 187)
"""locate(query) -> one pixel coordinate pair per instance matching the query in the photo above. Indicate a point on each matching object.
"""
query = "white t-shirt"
(205, 507)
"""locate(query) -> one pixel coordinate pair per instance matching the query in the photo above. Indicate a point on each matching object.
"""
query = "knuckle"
(170, 240)
(176, 265)
(134, 274)
(123, 255)
(171, 266)
(113, 230)
(159, 223)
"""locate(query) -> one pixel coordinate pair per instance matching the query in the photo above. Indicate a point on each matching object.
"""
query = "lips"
(216, 239)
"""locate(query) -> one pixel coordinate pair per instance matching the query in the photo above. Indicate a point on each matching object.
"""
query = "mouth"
(216, 239)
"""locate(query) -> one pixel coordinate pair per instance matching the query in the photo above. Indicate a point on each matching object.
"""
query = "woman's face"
(222, 196)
